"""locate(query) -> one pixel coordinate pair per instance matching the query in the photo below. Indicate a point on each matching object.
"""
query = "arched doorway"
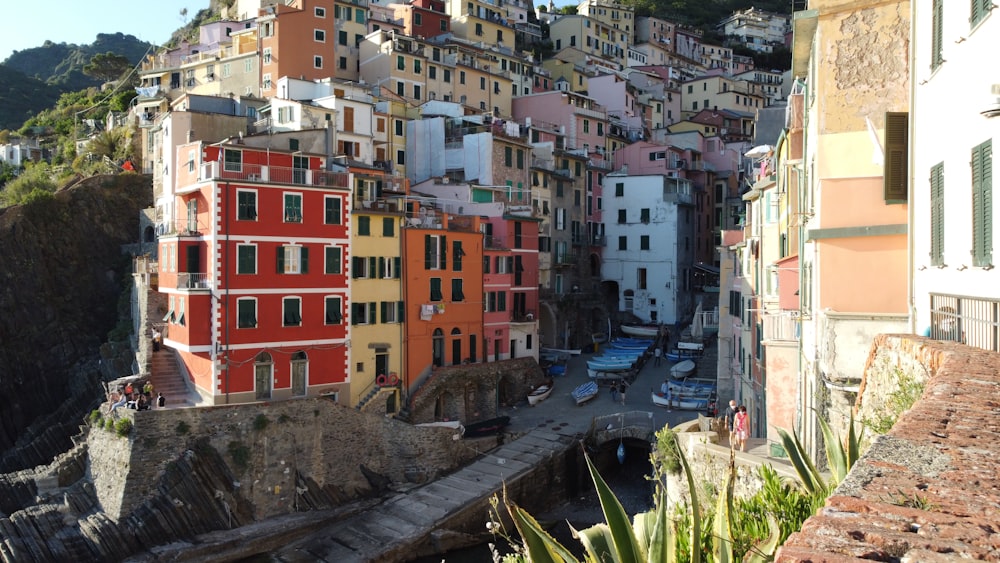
(263, 370)
(148, 234)
(300, 365)
(505, 392)
(456, 346)
(437, 347)
(445, 407)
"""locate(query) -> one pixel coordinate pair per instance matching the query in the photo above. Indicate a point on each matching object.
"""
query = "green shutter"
(427, 252)
(357, 264)
(372, 267)
(281, 259)
(305, 260)
(372, 312)
(937, 37)
(895, 186)
(937, 215)
(381, 267)
(401, 311)
(397, 264)
(355, 315)
(982, 205)
(384, 309)
(443, 260)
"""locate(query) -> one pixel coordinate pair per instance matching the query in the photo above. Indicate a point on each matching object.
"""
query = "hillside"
(33, 79)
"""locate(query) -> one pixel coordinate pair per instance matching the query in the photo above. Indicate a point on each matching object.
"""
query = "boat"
(628, 347)
(683, 402)
(540, 393)
(641, 330)
(599, 337)
(685, 351)
(686, 386)
(619, 352)
(556, 369)
(582, 393)
(610, 364)
(486, 427)
(451, 424)
(610, 375)
(682, 369)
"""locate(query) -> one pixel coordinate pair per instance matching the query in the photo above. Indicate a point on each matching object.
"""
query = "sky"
(31, 22)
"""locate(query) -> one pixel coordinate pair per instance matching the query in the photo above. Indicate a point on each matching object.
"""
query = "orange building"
(443, 291)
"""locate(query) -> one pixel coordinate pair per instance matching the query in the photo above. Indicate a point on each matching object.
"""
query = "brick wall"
(929, 490)
(340, 453)
(470, 392)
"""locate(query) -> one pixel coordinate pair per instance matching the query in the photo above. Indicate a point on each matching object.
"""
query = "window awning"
(706, 268)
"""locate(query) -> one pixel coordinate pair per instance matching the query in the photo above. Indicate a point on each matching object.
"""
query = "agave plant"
(650, 536)
(840, 458)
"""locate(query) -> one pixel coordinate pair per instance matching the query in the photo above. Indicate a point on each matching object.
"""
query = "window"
(363, 313)
(342, 37)
(246, 313)
(461, 77)
(319, 35)
(362, 267)
(508, 156)
(317, 62)
(621, 216)
(320, 12)
(416, 66)
(447, 75)
(331, 210)
(895, 184)
(233, 160)
(333, 311)
(644, 242)
(982, 205)
(641, 278)
(359, 16)
(980, 9)
(246, 259)
(293, 208)
(619, 189)
(334, 260)
(293, 260)
(457, 254)
(388, 226)
(401, 89)
(266, 81)
(432, 72)
(486, 264)
(192, 215)
(392, 311)
(418, 19)
(479, 29)
(623, 243)
(560, 219)
(416, 92)
(246, 205)
(435, 252)
(364, 226)
(456, 290)
(291, 311)
(444, 25)
(436, 289)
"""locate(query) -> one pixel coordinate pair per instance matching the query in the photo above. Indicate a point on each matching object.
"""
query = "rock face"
(61, 276)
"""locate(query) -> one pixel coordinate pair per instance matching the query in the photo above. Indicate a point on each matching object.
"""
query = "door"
(299, 166)
(263, 376)
(299, 364)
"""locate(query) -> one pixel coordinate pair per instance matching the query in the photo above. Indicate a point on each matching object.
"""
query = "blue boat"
(610, 364)
(585, 392)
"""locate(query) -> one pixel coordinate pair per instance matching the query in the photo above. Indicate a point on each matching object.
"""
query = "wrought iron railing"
(974, 321)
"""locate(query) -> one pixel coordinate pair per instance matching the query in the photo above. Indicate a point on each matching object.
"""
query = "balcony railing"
(523, 317)
(974, 321)
(275, 175)
(189, 280)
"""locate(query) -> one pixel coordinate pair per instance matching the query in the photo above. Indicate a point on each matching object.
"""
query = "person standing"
(742, 424)
(622, 386)
(156, 340)
(658, 354)
(730, 419)
(614, 392)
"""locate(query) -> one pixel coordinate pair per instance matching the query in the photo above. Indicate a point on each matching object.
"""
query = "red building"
(254, 266)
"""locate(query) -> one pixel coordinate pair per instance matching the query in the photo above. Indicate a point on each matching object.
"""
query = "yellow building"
(481, 22)
(591, 36)
(718, 91)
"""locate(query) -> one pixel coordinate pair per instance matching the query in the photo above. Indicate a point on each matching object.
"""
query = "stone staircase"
(167, 379)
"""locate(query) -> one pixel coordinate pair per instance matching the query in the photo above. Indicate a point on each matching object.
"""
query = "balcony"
(973, 321)
(494, 243)
(598, 241)
(190, 280)
(782, 327)
(256, 173)
(520, 317)
(565, 260)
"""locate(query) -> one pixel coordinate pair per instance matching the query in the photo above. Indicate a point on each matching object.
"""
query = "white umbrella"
(697, 327)
(759, 150)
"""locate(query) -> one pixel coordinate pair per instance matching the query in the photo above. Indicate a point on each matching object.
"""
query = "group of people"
(618, 390)
(738, 425)
(136, 397)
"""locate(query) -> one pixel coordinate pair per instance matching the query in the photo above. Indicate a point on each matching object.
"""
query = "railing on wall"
(974, 321)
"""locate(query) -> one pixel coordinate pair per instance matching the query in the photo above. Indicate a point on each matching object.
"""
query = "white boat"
(539, 394)
(610, 364)
(641, 330)
(585, 392)
(607, 375)
(682, 369)
(683, 402)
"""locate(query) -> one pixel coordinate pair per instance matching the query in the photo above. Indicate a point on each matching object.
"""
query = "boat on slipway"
(540, 393)
(682, 402)
(682, 369)
(585, 392)
(486, 427)
(648, 331)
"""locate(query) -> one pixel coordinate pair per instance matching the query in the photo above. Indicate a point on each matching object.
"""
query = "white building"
(649, 224)
(955, 288)
(757, 29)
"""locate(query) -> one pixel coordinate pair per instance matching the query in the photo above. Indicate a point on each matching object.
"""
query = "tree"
(107, 66)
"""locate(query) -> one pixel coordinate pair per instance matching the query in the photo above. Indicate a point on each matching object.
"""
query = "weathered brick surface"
(930, 489)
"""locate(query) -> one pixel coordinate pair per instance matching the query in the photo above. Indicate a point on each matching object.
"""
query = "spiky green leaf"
(853, 443)
(625, 547)
(809, 477)
(596, 541)
(763, 552)
(722, 544)
(836, 457)
(539, 545)
(695, 541)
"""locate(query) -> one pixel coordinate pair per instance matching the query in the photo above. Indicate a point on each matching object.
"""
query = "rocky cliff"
(61, 278)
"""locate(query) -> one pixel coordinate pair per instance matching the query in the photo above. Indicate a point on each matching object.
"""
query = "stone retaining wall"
(929, 490)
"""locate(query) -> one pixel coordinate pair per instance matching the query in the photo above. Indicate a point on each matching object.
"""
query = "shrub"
(109, 424)
(182, 428)
(240, 455)
(95, 417)
(260, 422)
(123, 427)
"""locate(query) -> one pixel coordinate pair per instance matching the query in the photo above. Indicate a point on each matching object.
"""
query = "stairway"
(167, 379)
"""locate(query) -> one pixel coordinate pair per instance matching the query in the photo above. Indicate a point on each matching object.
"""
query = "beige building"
(718, 91)
(591, 36)
(482, 21)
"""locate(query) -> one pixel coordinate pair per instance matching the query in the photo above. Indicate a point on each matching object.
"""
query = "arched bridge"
(632, 424)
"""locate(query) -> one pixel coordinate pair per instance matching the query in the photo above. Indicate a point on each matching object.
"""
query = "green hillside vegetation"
(33, 79)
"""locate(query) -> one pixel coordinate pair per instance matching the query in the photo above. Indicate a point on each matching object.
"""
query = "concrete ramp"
(387, 532)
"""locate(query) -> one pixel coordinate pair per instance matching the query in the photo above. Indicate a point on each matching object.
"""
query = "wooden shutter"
(372, 267)
(372, 312)
(397, 264)
(982, 205)
(357, 264)
(381, 267)
(443, 259)
(304, 256)
(937, 37)
(401, 314)
(937, 215)
(281, 260)
(384, 309)
(895, 186)
(427, 252)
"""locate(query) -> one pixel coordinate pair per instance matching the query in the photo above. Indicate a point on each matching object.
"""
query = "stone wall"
(929, 490)
(473, 392)
(282, 457)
